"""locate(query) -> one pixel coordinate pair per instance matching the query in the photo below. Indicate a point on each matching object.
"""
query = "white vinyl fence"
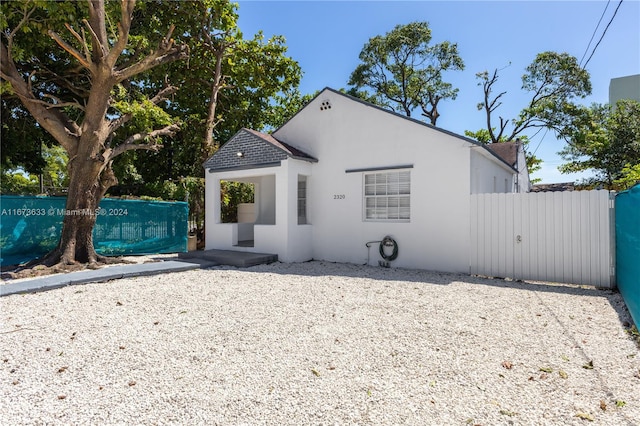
(563, 237)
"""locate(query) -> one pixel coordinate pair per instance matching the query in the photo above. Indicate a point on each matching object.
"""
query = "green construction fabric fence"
(628, 249)
(30, 226)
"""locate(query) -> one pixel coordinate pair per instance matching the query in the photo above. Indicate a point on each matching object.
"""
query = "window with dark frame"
(302, 200)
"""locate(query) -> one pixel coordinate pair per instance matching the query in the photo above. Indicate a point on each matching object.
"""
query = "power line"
(594, 31)
(603, 33)
(541, 139)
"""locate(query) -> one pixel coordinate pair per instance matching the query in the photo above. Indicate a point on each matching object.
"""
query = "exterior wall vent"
(325, 105)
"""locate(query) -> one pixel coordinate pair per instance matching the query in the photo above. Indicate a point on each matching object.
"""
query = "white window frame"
(386, 196)
(302, 200)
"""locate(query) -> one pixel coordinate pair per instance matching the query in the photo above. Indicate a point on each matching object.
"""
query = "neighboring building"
(624, 88)
(343, 172)
(554, 187)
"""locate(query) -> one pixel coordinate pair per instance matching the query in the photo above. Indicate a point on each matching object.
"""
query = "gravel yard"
(317, 343)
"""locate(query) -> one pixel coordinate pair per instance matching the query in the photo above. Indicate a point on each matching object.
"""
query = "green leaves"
(257, 86)
(553, 74)
(606, 140)
(146, 115)
(629, 176)
(402, 67)
(555, 80)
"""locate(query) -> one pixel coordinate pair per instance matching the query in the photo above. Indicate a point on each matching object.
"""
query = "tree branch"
(82, 40)
(162, 95)
(71, 50)
(59, 103)
(490, 105)
(25, 17)
(63, 81)
(503, 126)
(97, 27)
(167, 52)
(60, 126)
(95, 40)
(124, 26)
(130, 143)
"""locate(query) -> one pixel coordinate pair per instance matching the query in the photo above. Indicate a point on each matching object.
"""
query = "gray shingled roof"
(292, 151)
(257, 149)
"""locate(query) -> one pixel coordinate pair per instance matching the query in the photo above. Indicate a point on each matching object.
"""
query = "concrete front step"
(240, 259)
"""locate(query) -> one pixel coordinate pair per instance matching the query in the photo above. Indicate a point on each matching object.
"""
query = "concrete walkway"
(101, 275)
(185, 262)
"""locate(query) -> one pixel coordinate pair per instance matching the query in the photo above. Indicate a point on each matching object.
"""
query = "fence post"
(613, 278)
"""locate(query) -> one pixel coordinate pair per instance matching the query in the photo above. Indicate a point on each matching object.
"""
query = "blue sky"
(326, 37)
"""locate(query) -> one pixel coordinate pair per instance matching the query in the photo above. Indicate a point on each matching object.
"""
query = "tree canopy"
(606, 140)
(405, 71)
(553, 81)
(84, 94)
(108, 81)
(229, 82)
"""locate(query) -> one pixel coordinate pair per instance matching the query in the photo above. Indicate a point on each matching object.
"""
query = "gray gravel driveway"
(317, 343)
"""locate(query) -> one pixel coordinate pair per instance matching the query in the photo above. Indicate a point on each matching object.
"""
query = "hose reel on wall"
(387, 241)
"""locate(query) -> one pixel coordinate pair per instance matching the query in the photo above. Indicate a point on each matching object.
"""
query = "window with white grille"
(387, 196)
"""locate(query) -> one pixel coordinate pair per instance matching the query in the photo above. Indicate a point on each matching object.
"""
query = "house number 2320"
(338, 196)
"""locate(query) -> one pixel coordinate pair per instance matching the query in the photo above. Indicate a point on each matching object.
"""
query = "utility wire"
(594, 32)
(541, 139)
(603, 33)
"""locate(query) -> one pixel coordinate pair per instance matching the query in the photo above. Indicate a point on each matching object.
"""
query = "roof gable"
(473, 142)
(251, 149)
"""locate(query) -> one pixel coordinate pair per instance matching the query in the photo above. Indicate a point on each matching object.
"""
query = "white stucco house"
(343, 173)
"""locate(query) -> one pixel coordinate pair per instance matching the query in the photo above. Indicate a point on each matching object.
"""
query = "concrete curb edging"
(186, 262)
(99, 275)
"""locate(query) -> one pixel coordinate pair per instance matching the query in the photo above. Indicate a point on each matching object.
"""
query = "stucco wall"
(276, 229)
(489, 177)
(299, 237)
(265, 197)
(346, 138)
(352, 135)
(225, 235)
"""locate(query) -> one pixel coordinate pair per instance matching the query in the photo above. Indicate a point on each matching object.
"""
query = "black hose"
(388, 242)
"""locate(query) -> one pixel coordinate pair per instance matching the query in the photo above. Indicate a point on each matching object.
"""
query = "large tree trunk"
(87, 187)
(76, 241)
(88, 143)
(87, 170)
